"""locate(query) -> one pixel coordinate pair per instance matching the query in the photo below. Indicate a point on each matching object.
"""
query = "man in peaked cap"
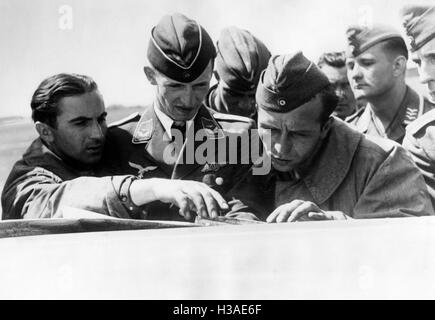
(241, 58)
(162, 142)
(322, 168)
(376, 63)
(419, 24)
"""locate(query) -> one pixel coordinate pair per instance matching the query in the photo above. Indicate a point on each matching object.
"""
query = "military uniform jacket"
(41, 183)
(362, 176)
(412, 107)
(137, 146)
(420, 142)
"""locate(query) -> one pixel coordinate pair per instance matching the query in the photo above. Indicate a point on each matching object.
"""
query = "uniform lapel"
(203, 120)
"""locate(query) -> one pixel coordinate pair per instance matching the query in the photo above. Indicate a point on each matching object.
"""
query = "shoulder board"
(355, 115)
(128, 118)
(230, 117)
(421, 122)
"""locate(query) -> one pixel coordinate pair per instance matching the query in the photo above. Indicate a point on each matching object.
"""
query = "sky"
(107, 40)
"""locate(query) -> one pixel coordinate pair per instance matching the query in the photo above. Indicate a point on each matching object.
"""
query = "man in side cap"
(167, 140)
(322, 168)
(376, 63)
(241, 58)
(419, 24)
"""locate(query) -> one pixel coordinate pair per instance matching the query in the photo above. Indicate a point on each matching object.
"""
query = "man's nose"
(187, 96)
(283, 147)
(355, 72)
(97, 131)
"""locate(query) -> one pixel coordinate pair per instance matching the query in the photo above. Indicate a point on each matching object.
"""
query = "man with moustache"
(322, 168)
(333, 65)
(376, 62)
(62, 166)
(162, 141)
(419, 24)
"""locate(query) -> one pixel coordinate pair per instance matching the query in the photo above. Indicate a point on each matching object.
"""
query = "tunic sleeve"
(40, 194)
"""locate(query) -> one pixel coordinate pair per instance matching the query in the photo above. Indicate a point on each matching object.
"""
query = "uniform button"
(219, 181)
(123, 198)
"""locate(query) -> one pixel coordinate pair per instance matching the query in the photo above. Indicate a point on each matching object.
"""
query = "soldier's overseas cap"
(288, 82)
(180, 48)
(419, 23)
(241, 58)
(362, 38)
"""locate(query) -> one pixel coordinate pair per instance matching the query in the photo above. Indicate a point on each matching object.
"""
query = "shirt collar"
(167, 122)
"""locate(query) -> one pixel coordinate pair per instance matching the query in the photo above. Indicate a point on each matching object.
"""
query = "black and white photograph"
(231, 150)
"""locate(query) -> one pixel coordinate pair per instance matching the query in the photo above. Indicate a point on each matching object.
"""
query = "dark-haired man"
(241, 57)
(60, 168)
(322, 168)
(333, 65)
(376, 63)
(168, 139)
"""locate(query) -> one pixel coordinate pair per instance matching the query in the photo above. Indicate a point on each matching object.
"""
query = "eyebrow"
(79, 119)
(82, 118)
(202, 83)
(429, 54)
(366, 59)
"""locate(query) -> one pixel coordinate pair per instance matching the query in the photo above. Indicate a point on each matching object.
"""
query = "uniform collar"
(333, 161)
(145, 128)
(413, 106)
(409, 110)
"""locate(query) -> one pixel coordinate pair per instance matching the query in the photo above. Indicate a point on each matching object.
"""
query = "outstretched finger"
(330, 215)
(317, 215)
(200, 207)
(210, 202)
(223, 204)
(303, 209)
(282, 213)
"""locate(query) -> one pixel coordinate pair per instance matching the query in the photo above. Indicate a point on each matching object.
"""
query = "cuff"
(121, 185)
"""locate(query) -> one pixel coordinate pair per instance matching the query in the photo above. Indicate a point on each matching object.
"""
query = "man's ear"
(326, 127)
(151, 74)
(399, 65)
(44, 131)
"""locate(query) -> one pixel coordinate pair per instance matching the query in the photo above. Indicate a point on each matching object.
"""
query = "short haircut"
(46, 97)
(329, 102)
(396, 47)
(333, 59)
